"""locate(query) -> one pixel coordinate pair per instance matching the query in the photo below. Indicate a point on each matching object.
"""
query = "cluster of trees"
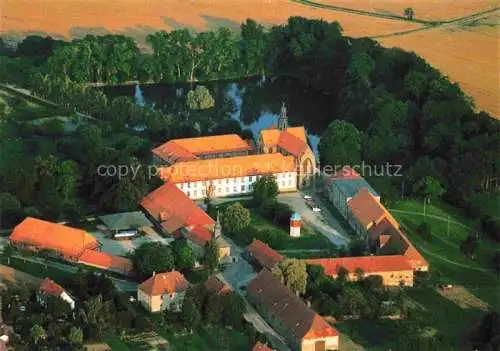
(100, 309)
(365, 298)
(156, 257)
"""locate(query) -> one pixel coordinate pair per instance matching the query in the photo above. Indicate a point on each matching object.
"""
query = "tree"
(265, 191)
(37, 334)
(211, 255)
(496, 261)
(214, 309)
(234, 307)
(199, 99)
(409, 13)
(152, 257)
(183, 254)
(75, 336)
(358, 247)
(293, 274)
(340, 145)
(8, 202)
(487, 335)
(190, 316)
(275, 238)
(235, 218)
(342, 274)
(429, 187)
(469, 245)
(352, 301)
(253, 47)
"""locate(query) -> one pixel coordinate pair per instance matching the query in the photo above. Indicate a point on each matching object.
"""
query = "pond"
(255, 102)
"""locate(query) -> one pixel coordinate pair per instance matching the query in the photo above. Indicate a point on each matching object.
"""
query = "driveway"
(324, 222)
(122, 247)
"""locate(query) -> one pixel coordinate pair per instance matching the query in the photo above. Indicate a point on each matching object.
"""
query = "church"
(227, 165)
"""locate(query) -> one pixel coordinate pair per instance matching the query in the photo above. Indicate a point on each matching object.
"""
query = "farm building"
(126, 224)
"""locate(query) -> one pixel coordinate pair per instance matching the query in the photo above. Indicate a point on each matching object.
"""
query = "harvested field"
(75, 18)
(429, 10)
(468, 54)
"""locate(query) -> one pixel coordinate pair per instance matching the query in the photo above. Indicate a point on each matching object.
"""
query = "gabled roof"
(164, 283)
(369, 264)
(47, 235)
(271, 136)
(199, 235)
(293, 314)
(189, 148)
(261, 347)
(366, 208)
(50, 287)
(215, 286)
(292, 143)
(125, 220)
(168, 201)
(105, 260)
(263, 254)
(350, 187)
(229, 167)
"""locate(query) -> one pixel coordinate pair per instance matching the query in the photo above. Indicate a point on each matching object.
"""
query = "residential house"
(215, 285)
(302, 328)
(343, 185)
(163, 291)
(261, 255)
(36, 234)
(49, 287)
(201, 148)
(394, 270)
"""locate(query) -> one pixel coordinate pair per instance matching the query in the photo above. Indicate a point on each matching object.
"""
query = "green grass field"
(433, 311)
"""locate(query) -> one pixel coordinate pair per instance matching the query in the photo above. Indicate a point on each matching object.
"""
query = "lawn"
(449, 313)
(36, 269)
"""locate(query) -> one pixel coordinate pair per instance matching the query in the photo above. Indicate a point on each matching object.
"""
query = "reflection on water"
(254, 103)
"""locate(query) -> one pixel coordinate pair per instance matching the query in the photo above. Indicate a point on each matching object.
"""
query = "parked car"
(307, 197)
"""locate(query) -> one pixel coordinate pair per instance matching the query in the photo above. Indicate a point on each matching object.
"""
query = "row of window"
(195, 194)
(215, 182)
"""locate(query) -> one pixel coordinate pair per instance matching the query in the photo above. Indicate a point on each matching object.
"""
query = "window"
(242, 188)
(227, 189)
(188, 193)
(195, 193)
(290, 182)
(235, 189)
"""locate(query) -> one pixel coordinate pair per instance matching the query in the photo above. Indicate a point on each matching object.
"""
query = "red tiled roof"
(228, 167)
(171, 224)
(168, 201)
(369, 264)
(48, 286)
(366, 208)
(294, 315)
(189, 148)
(271, 136)
(105, 260)
(199, 235)
(47, 235)
(263, 254)
(261, 347)
(215, 286)
(291, 143)
(162, 283)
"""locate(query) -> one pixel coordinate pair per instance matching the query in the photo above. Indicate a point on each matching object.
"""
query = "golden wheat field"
(74, 18)
(430, 10)
(468, 54)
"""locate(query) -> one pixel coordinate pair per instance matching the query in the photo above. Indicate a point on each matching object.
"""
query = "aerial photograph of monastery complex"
(250, 175)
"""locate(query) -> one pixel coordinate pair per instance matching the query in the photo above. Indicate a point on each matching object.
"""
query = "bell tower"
(283, 118)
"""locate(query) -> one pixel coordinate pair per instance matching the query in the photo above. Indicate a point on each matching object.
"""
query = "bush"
(491, 227)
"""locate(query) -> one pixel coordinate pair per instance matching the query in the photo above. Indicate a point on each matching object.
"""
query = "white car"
(316, 209)
(307, 197)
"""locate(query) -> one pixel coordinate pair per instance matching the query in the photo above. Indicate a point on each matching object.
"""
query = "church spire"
(283, 118)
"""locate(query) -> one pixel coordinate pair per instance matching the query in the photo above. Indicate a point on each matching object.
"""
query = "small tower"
(295, 223)
(217, 227)
(283, 118)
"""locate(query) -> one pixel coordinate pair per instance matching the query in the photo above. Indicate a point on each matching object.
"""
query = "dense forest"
(402, 110)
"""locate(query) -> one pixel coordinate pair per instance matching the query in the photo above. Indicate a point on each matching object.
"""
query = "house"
(125, 225)
(216, 286)
(208, 147)
(230, 176)
(302, 328)
(289, 141)
(343, 185)
(163, 291)
(49, 287)
(106, 261)
(395, 270)
(36, 234)
(261, 255)
(261, 347)
(365, 211)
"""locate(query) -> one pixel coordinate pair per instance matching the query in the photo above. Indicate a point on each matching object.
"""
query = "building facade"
(163, 291)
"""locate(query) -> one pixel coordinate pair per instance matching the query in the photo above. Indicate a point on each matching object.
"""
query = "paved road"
(324, 221)
(237, 275)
